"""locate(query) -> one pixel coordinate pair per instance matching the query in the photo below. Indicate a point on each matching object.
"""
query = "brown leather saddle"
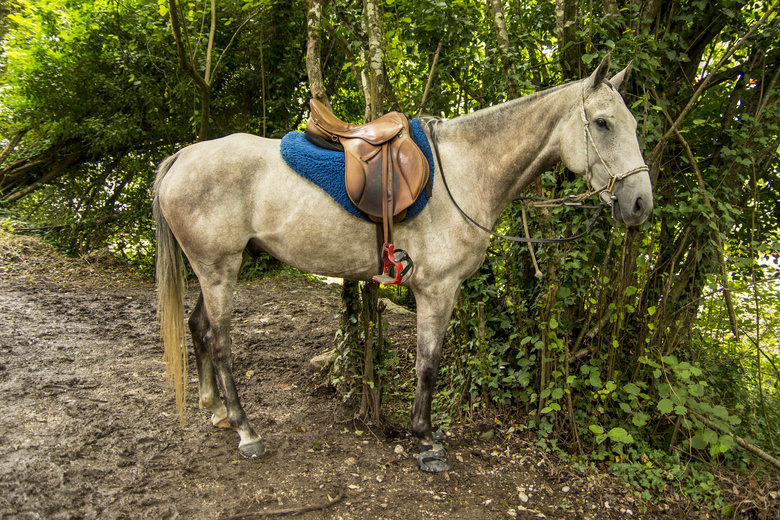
(385, 172)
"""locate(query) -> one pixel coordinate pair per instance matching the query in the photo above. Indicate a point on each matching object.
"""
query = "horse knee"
(427, 378)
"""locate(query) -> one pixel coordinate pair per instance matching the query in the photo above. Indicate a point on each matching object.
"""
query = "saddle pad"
(325, 168)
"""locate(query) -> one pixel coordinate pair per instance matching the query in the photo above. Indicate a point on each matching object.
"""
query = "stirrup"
(392, 258)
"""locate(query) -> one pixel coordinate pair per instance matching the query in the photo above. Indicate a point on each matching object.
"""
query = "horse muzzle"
(632, 210)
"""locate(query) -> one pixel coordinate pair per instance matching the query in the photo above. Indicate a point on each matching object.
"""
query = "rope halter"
(613, 177)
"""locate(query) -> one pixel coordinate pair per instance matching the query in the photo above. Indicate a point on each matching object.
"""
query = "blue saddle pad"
(325, 168)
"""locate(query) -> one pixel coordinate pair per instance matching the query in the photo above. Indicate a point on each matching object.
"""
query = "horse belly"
(303, 227)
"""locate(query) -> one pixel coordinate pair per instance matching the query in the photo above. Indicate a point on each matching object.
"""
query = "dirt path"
(87, 429)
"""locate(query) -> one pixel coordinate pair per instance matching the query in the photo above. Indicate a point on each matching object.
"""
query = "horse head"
(600, 142)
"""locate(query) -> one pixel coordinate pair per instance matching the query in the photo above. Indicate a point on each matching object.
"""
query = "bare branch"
(224, 51)
(53, 174)
(430, 77)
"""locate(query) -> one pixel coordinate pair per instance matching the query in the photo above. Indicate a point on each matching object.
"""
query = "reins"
(542, 202)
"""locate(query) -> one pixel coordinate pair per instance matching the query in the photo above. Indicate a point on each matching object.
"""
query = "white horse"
(223, 200)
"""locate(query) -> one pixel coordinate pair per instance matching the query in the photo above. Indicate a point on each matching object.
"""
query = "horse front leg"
(217, 289)
(207, 379)
(433, 314)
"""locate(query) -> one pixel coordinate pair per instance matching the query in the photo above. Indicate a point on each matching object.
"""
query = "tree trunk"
(499, 21)
(376, 68)
(313, 62)
(371, 405)
(611, 7)
(566, 29)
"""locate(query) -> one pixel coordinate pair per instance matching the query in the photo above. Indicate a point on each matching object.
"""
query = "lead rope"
(526, 239)
(542, 202)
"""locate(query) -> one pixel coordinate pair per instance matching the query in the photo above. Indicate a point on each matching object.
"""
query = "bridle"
(613, 177)
(570, 200)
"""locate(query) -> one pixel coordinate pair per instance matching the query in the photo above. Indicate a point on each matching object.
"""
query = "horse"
(222, 201)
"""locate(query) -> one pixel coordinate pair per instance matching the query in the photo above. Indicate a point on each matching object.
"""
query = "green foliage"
(626, 340)
(612, 339)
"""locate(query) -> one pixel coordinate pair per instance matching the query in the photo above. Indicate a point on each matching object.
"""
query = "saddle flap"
(364, 166)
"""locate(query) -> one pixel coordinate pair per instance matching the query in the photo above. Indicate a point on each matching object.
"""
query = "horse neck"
(493, 154)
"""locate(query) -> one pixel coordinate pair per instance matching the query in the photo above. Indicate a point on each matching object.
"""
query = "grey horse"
(221, 201)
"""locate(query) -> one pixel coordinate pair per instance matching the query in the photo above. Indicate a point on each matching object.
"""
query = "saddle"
(384, 172)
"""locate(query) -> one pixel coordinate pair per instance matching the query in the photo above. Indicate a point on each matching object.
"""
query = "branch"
(19, 168)
(210, 44)
(430, 77)
(755, 450)
(53, 174)
(590, 334)
(15, 140)
(351, 58)
(718, 239)
(224, 51)
(730, 74)
(705, 82)
(184, 63)
(291, 511)
(716, 291)
(464, 85)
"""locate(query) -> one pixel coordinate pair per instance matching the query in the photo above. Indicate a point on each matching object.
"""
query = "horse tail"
(170, 295)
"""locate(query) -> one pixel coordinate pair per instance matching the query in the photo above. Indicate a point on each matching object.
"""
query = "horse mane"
(477, 115)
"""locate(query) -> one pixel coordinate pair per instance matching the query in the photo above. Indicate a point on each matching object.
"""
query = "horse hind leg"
(207, 379)
(217, 283)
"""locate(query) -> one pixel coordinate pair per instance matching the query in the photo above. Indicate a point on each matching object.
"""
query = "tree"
(356, 310)
(93, 96)
(187, 53)
(497, 10)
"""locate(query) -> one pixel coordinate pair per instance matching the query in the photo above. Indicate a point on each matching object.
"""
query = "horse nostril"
(639, 206)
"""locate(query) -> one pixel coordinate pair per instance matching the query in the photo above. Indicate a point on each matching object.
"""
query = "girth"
(385, 172)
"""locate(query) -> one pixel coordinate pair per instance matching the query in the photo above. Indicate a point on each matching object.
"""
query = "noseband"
(613, 177)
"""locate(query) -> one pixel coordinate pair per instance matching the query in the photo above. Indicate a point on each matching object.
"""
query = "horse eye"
(601, 123)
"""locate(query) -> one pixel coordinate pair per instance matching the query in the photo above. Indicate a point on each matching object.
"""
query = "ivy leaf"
(698, 442)
(710, 436)
(587, 58)
(725, 443)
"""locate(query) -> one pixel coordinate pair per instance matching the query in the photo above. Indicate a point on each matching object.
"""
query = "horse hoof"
(433, 453)
(220, 423)
(253, 450)
(434, 461)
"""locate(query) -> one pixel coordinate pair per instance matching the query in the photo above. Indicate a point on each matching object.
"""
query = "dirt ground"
(88, 430)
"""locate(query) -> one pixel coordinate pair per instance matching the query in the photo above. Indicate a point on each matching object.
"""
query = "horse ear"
(620, 79)
(600, 73)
